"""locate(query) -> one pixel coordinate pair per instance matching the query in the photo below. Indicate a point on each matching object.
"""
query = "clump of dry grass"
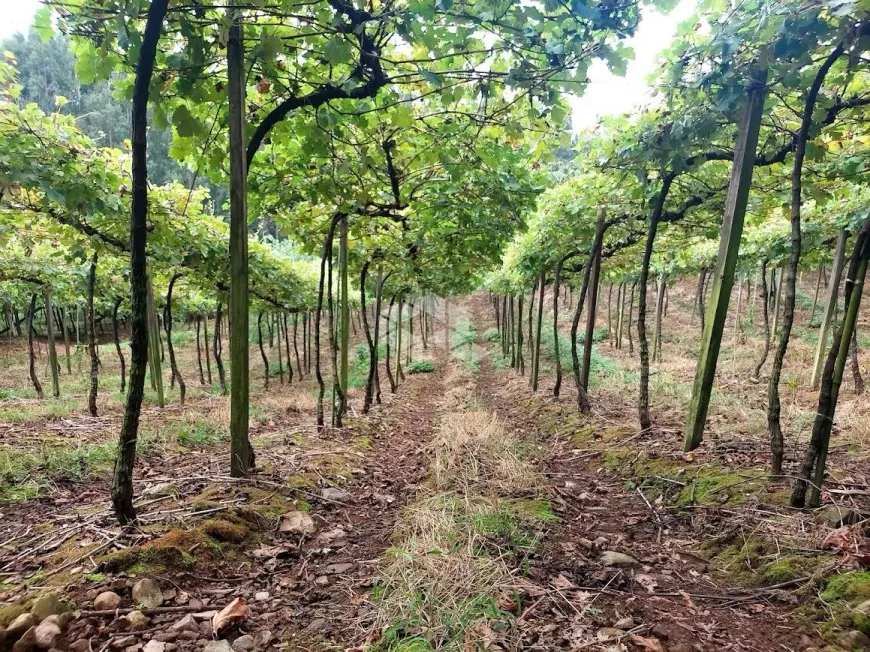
(474, 449)
(449, 567)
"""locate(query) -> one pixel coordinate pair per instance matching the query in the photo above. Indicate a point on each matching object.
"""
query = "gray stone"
(47, 605)
(244, 643)
(334, 494)
(624, 623)
(835, 517)
(298, 523)
(613, 558)
(137, 620)
(81, 645)
(147, 593)
(161, 489)
(218, 646)
(27, 642)
(20, 625)
(154, 646)
(323, 580)
(61, 620)
(46, 634)
(854, 640)
(123, 642)
(186, 624)
(338, 569)
(107, 601)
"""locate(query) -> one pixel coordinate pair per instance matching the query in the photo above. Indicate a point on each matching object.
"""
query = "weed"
(420, 367)
(491, 335)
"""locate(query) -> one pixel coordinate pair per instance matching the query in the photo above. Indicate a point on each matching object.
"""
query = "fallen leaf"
(235, 612)
(647, 581)
(651, 644)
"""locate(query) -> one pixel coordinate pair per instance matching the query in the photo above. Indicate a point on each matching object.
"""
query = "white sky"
(16, 15)
(607, 94)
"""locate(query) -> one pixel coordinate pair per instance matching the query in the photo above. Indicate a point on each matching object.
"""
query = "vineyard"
(322, 329)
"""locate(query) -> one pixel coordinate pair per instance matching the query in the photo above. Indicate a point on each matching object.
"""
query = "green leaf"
(184, 122)
(42, 23)
(337, 51)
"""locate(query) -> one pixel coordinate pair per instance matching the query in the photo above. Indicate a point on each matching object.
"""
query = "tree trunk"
(282, 319)
(387, 358)
(698, 306)
(657, 328)
(531, 329)
(620, 316)
(65, 326)
(167, 325)
(737, 316)
(122, 481)
(521, 363)
(372, 342)
(276, 321)
(52, 349)
(536, 360)
(153, 345)
(582, 397)
(299, 367)
(216, 350)
(856, 367)
(773, 403)
(118, 349)
(410, 357)
(817, 450)
(325, 256)
(726, 261)
(557, 280)
(830, 307)
(630, 317)
(399, 374)
(92, 339)
(610, 331)
(262, 351)
(305, 361)
(594, 284)
(642, 344)
(199, 349)
(344, 317)
(30, 350)
(766, 318)
(815, 297)
(205, 342)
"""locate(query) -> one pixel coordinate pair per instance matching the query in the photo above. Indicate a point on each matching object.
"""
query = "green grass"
(420, 367)
(28, 474)
(491, 335)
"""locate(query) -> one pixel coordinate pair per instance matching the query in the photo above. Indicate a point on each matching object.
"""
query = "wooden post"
(52, 350)
(830, 307)
(240, 446)
(726, 260)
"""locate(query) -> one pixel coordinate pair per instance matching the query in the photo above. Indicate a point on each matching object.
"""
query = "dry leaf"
(647, 581)
(235, 612)
(651, 644)
(561, 582)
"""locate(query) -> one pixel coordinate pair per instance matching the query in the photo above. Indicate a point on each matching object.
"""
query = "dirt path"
(658, 597)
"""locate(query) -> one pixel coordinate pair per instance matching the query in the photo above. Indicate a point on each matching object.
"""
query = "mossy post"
(830, 306)
(726, 260)
(52, 349)
(344, 315)
(154, 347)
(65, 328)
(240, 445)
(536, 359)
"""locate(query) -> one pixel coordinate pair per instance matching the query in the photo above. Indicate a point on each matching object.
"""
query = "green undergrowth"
(492, 335)
(51, 408)
(26, 474)
(738, 558)
(600, 366)
(841, 595)
(421, 367)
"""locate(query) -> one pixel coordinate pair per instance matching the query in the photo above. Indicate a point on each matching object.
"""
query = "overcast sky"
(606, 94)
